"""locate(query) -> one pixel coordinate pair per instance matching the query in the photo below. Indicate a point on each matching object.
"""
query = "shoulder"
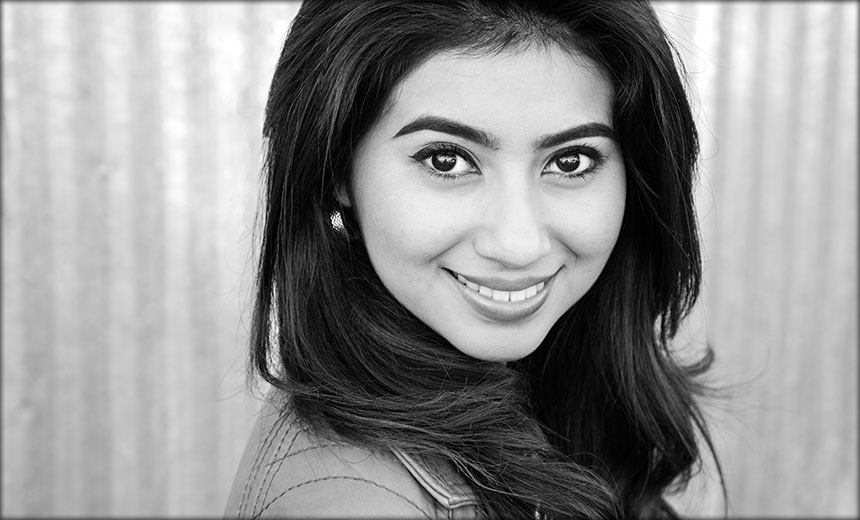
(288, 471)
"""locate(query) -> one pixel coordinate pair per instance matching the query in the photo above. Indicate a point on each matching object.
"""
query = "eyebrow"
(484, 138)
(449, 126)
(574, 133)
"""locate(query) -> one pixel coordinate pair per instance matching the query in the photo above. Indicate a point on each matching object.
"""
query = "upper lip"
(504, 284)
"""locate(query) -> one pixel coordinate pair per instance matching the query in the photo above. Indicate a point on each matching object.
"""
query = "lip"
(505, 285)
(504, 310)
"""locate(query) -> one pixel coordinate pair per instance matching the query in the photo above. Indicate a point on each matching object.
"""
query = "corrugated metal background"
(131, 153)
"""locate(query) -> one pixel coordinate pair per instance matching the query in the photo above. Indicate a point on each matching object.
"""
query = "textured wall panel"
(777, 84)
(131, 152)
(131, 156)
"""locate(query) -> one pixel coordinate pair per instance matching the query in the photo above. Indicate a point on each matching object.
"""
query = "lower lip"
(504, 311)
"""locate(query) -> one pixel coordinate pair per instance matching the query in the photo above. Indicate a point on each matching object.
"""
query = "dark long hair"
(601, 421)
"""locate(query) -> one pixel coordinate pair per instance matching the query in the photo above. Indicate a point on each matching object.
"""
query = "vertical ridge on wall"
(149, 176)
(819, 369)
(66, 437)
(799, 281)
(131, 162)
(176, 64)
(121, 320)
(28, 272)
(92, 446)
(837, 294)
(203, 202)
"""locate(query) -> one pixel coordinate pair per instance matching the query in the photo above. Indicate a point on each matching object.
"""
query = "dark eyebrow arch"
(451, 127)
(574, 133)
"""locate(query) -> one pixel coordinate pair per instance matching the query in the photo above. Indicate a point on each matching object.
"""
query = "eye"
(446, 160)
(578, 162)
(571, 164)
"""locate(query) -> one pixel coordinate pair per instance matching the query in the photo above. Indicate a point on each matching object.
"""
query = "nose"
(514, 233)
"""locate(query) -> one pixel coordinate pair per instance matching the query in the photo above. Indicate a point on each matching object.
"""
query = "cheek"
(402, 226)
(591, 225)
(600, 228)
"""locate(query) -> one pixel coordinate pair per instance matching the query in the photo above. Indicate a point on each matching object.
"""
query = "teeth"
(475, 287)
(502, 296)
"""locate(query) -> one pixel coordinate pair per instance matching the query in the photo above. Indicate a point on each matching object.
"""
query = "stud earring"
(337, 222)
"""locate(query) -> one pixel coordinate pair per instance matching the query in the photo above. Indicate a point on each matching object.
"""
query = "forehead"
(513, 90)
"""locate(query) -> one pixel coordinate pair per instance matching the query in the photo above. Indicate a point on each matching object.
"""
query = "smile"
(502, 295)
(502, 300)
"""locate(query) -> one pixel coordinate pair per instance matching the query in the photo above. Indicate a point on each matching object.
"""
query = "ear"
(341, 193)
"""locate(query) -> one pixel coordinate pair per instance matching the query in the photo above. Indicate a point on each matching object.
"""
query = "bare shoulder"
(289, 471)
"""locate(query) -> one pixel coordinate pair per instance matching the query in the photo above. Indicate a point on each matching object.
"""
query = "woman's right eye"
(446, 161)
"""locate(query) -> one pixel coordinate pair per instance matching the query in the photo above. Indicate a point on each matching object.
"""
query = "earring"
(337, 222)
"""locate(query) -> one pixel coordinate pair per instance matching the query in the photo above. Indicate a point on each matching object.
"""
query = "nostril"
(513, 250)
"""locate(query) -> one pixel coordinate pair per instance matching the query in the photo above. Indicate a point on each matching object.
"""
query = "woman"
(478, 242)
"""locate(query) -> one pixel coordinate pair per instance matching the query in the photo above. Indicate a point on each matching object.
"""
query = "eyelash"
(450, 148)
(592, 153)
(438, 148)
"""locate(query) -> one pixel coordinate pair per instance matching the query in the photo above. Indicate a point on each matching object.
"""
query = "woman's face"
(491, 193)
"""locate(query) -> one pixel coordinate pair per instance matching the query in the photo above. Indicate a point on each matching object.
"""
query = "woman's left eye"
(571, 164)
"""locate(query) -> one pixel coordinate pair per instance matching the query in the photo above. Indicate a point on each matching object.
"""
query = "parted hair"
(602, 420)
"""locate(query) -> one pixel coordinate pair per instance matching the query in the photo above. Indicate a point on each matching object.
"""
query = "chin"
(500, 351)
